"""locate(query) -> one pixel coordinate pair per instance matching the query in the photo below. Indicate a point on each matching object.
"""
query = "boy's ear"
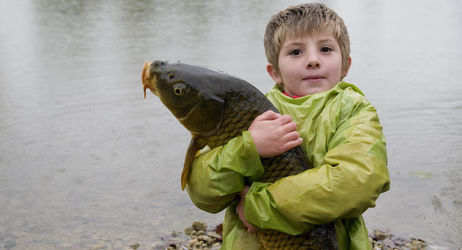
(349, 65)
(273, 73)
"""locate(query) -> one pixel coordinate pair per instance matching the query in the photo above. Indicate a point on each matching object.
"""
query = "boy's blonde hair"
(305, 19)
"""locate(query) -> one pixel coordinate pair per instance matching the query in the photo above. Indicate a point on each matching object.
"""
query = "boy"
(307, 47)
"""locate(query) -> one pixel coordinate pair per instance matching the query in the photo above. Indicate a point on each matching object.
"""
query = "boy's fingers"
(251, 229)
(291, 136)
(288, 127)
(268, 115)
(284, 119)
(293, 144)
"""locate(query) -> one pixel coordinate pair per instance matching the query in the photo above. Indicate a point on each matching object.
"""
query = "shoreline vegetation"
(201, 236)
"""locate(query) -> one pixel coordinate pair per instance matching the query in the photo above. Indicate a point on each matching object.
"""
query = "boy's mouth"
(314, 78)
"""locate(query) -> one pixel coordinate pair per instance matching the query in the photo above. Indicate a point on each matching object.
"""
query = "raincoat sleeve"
(217, 175)
(348, 181)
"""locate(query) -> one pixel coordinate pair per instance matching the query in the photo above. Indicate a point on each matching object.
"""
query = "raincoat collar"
(277, 92)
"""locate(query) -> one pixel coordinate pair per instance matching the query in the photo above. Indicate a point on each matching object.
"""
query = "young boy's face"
(308, 64)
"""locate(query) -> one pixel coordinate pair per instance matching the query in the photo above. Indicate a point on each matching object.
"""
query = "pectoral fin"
(144, 76)
(191, 153)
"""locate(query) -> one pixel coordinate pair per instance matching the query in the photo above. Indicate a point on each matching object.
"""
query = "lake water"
(85, 160)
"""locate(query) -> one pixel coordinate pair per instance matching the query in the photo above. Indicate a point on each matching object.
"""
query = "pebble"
(98, 247)
(199, 226)
(135, 245)
(384, 240)
(10, 244)
(199, 238)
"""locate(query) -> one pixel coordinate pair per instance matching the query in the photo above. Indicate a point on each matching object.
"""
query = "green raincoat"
(343, 139)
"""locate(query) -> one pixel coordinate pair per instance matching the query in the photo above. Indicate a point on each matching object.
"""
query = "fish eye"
(178, 89)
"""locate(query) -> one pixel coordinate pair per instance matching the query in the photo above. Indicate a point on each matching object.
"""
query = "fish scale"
(240, 104)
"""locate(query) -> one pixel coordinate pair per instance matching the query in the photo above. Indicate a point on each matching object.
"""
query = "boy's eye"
(326, 49)
(295, 52)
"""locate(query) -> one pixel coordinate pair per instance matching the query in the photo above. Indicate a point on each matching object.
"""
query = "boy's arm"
(218, 175)
(353, 175)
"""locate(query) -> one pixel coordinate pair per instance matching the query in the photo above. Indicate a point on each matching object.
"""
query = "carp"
(216, 107)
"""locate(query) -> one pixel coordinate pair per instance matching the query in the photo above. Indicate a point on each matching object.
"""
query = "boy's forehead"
(317, 35)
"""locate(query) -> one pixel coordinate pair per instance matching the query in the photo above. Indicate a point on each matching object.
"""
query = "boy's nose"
(312, 62)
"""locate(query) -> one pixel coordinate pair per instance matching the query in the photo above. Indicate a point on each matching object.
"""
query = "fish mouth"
(147, 82)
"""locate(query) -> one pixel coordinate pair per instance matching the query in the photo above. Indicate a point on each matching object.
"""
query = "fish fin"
(215, 106)
(144, 76)
(191, 154)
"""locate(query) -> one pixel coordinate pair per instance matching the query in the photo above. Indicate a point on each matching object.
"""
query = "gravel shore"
(201, 236)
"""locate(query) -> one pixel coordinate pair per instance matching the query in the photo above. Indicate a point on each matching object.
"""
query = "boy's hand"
(274, 134)
(240, 211)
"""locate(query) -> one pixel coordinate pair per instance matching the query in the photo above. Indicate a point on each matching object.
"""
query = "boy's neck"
(293, 96)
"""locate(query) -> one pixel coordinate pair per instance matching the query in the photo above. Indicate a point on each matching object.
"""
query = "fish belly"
(321, 236)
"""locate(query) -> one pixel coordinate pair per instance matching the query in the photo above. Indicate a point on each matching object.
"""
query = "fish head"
(188, 92)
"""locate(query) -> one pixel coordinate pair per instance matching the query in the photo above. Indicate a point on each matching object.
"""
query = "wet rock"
(198, 237)
(216, 246)
(381, 235)
(188, 230)
(416, 244)
(198, 233)
(135, 245)
(199, 226)
(384, 240)
(174, 233)
(10, 244)
(98, 247)
(201, 237)
(215, 235)
(399, 241)
(389, 243)
(173, 246)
